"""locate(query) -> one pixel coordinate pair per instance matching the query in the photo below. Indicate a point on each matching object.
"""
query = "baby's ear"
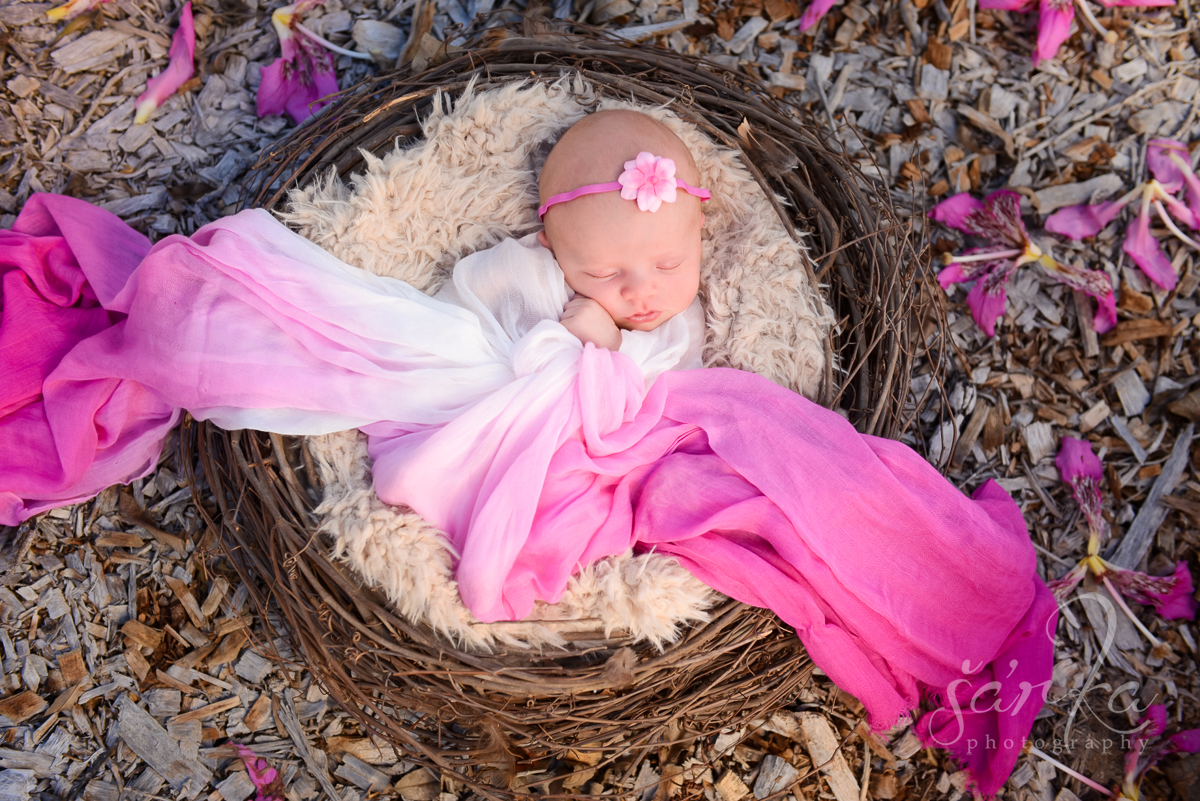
(543, 241)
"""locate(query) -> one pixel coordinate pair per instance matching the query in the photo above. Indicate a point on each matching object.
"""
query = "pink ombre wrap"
(533, 453)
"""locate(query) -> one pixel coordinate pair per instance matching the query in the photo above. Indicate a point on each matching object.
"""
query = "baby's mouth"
(644, 317)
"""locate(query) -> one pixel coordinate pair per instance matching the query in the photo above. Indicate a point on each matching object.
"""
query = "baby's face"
(642, 267)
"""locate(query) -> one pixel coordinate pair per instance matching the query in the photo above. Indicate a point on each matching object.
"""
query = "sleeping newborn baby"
(622, 217)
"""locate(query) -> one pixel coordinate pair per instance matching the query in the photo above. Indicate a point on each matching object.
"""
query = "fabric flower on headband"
(648, 179)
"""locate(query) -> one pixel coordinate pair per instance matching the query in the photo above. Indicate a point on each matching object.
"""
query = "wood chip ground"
(130, 662)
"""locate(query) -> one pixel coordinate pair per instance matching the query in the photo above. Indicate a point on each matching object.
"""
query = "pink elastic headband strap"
(611, 186)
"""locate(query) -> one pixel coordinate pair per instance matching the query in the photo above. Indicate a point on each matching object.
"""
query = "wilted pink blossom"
(179, 69)
(997, 221)
(72, 9)
(1171, 596)
(1172, 170)
(266, 779)
(298, 81)
(1149, 746)
(1054, 22)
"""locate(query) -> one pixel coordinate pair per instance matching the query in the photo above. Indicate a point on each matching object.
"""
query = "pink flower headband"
(648, 179)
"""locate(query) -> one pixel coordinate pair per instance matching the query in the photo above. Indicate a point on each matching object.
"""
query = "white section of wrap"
(493, 322)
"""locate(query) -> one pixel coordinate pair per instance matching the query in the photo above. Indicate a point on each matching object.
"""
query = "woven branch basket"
(480, 720)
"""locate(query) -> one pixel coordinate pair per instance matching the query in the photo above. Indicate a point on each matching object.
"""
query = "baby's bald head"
(642, 267)
(595, 149)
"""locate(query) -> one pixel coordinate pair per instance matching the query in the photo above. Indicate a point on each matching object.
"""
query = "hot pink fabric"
(902, 588)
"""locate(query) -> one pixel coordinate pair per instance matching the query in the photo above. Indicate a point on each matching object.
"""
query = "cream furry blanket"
(472, 182)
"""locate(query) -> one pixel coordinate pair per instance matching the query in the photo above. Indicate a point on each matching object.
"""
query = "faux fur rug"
(470, 183)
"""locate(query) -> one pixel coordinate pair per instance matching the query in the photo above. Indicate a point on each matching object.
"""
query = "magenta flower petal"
(987, 298)
(297, 81)
(953, 274)
(1171, 596)
(1079, 222)
(1185, 742)
(1008, 5)
(1140, 3)
(953, 211)
(179, 69)
(1063, 587)
(1158, 160)
(813, 14)
(1145, 251)
(1000, 221)
(1054, 26)
(266, 779)
(1180, 212)
(1082, 471)
(1093, 282)
(1148, 746)
(1076, 463)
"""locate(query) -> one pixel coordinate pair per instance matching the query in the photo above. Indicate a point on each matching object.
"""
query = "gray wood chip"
(1099, 188)
(252, 667)
(1132, 392)
(360, 774)
(164, 702)
(154, 199)
(22, 85)
(16, 785)
(1137, 539)
(150, 741)
(775, 774)
(237, 787)
(1039, 439)
(935, 83)
(89, 51)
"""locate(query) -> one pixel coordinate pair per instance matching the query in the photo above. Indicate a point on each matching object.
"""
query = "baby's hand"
(587, 319)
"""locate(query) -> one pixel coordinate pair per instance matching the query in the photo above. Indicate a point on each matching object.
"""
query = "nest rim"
(476, 718)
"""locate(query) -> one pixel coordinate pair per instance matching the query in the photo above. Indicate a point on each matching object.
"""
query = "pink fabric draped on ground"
(902, 588)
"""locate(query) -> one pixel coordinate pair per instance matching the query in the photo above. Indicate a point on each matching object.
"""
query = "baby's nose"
(636, 287)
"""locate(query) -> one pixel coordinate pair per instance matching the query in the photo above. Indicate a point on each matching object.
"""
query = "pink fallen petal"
(999, 222)
(1079, 222)
(1171, 596)
(1064, 586)
(813, 14)
(1180, 212)
(298, 81)
(1164, 170)
(266, 779)
(1054, 27)
(960, 271)
(1094, 283)
(1009, 5)
(1185, 742)
(953, 274)
(1077, 464)
(1082, 471)
(1145, 251)
(987, 298)
(179, 69)
(72, 9)
(953, 211)
(1180, 168)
